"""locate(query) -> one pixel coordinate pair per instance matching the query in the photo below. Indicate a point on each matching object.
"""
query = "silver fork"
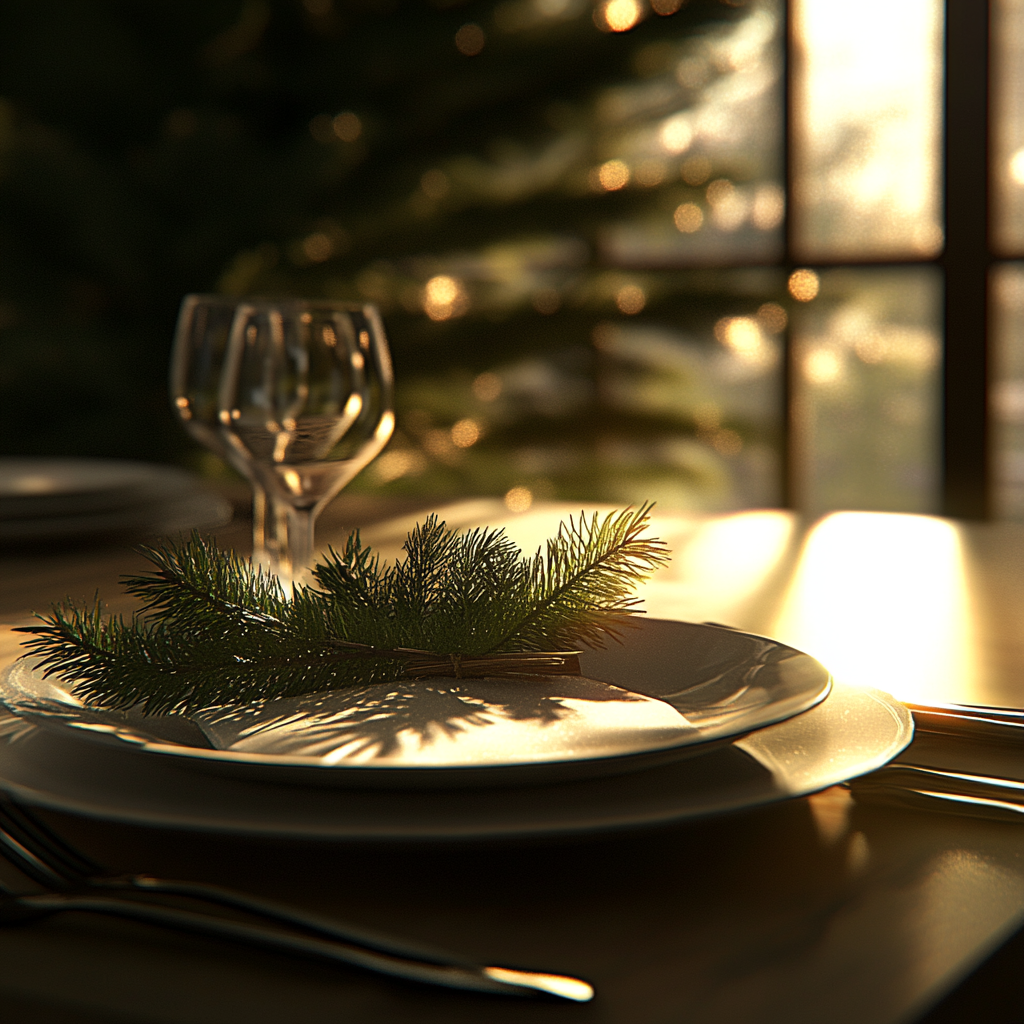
(72, 882)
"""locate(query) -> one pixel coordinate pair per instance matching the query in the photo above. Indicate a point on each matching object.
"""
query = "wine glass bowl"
(306, 402)
(200, 345)
(197, 367)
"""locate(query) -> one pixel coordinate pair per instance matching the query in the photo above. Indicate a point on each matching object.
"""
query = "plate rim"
(468, 829)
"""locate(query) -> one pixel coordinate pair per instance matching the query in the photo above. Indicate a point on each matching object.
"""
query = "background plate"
(70, 500)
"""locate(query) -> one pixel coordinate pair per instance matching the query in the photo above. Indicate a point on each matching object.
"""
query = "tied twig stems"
(424, 664)
(524, 664)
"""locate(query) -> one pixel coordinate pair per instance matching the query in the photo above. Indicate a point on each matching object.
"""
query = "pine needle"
(214, 631)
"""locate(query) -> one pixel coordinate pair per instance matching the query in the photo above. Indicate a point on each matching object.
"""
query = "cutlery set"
(70, 882)
(955, 792)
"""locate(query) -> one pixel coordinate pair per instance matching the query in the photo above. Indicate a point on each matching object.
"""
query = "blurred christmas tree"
(535, 192)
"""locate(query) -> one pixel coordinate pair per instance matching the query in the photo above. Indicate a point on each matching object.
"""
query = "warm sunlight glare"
(868, 96)
(1016, 167)
(719, 566)
(881, 600)
(1006, 126)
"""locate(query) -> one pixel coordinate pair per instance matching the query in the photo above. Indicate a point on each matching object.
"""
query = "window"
(794, 304)
(718, 253)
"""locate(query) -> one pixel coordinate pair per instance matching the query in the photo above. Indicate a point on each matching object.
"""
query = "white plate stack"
(77, 500)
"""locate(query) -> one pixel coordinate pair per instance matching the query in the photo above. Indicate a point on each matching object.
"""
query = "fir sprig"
(215, 632)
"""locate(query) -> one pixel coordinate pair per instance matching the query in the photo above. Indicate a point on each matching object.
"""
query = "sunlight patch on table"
(719, 566)
(881, 600)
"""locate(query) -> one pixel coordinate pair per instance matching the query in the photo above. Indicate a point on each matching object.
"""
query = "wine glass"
(306, 400)
(197, 365)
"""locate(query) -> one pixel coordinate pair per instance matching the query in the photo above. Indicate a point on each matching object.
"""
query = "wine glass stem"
(260, 546)
(293, 553)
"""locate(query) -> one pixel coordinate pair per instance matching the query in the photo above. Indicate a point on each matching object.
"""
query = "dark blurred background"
(457, 163)
(572, 214)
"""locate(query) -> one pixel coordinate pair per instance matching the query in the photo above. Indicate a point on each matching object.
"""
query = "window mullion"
(965, 260)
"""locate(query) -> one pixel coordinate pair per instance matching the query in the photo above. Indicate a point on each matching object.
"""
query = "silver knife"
(981, 796)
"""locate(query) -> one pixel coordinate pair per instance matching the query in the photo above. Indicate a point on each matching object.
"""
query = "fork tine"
(61, 858)
(27, 862)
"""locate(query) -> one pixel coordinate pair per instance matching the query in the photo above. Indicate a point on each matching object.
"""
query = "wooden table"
(808, 911)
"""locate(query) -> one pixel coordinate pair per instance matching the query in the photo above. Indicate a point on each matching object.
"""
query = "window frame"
(964, 263)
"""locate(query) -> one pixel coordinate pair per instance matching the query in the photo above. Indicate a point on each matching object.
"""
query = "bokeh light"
(676, 134)
(772, 317)
(742, 335)
(729, 205)
(696, 170)
(613, 175)
(347, 126)
(769, 207)
(727, 442)
(318, 247)
(546, 301)
(435, 184)
(518, 499)
(465, 433)
(688, 218)
(823, 365)
(618, 15)
(630, 299)
(470, 39)
(650, 173)
(804, 285)
(487, 387)
(444, 297)
(393, 465)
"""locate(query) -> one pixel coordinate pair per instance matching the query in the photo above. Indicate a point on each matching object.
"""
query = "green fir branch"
(215, 632)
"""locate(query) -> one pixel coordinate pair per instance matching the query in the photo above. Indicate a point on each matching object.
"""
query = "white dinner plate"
(851, 733)
(668, 691)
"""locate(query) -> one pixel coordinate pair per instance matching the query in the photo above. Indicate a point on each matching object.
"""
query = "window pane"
(700, 382)
(701, 125)
(866, 114)
(867, 353)
(1006, 393)
(1008, 124)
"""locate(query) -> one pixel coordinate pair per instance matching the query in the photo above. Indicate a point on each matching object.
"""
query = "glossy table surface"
(810, 910)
